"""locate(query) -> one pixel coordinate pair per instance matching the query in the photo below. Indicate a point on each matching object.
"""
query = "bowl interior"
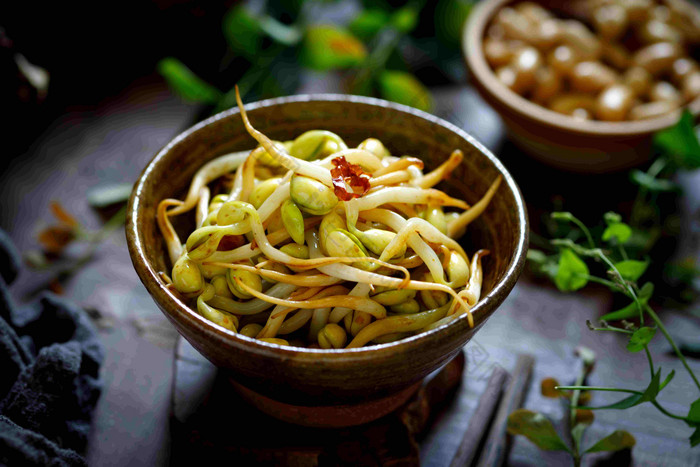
(405, 131)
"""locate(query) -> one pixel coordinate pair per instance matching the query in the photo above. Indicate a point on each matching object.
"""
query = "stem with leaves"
(679, 148)
(571, 273)
(538, 429)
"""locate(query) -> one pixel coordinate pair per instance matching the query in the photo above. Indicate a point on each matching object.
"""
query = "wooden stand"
(211, 423)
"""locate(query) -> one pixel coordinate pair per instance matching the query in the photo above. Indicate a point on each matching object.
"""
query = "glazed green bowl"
(345, 386)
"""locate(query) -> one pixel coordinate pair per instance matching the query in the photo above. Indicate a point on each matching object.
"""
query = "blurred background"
(75, 57)
(92, 92)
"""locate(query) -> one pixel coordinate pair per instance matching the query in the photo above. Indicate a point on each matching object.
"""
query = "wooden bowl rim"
(186, 317)
(472, 39)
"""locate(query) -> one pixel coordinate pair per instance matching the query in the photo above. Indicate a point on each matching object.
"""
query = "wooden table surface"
(113, 142)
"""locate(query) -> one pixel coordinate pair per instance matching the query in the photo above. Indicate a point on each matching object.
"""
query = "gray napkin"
(50, 357)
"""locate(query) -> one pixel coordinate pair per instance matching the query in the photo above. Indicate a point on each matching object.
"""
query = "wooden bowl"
(331, 387)
(551, 137)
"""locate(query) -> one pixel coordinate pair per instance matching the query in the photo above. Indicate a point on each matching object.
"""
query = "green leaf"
(542, 264)
(331, 47)
(667, 380)
(404, 88)
(242, 31)
(185, 83)
(653, 389)
(694, 412)
(615, 441)
(572, 272)
(368, 23)
(622, 404)
(280, 32)
(631, 310)
(649, 394)
(537, 428)
(405, 19)
(619, 230)
(645, 292)
(695, 437)
(653, 184)
(107, 195)
(536, 256)
(612, 218)
(640, 338)
(631, 270)
(680, 142)
(562, 216)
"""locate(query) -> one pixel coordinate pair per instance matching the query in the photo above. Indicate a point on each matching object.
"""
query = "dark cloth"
(50, 357)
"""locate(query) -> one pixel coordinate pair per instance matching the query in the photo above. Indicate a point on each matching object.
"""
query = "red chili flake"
(54, 239)
(56, 287)
(346, 174)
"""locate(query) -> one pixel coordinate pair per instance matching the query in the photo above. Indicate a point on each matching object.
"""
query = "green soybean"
(316, 144)
(436, 216)
(311, 195)
(187, 277)
(394, 297)
(405, 308)
(262, 191)
(332, 336)
(293, 221)
(248, 278)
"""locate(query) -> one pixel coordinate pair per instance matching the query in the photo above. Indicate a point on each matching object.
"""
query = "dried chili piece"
(55, 238)
(347, 175)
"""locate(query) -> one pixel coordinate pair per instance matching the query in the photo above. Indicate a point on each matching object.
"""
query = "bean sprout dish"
(310, 243)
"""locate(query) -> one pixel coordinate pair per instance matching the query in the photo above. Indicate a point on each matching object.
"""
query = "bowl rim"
(179, 311)
(472, 38)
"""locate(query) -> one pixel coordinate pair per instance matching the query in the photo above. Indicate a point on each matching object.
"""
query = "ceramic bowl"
(331, 387)
(551, 137)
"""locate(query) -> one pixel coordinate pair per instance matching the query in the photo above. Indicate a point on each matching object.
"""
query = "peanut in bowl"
(592, 81)
(369, 380)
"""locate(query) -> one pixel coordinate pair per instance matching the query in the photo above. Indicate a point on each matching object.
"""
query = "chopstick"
(495, 449)
(480, 420)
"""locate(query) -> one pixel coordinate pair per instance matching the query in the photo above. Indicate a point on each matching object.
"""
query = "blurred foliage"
(377, 51)
(328, 48)
(66, 245)
(188, 85)
(637, 245)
